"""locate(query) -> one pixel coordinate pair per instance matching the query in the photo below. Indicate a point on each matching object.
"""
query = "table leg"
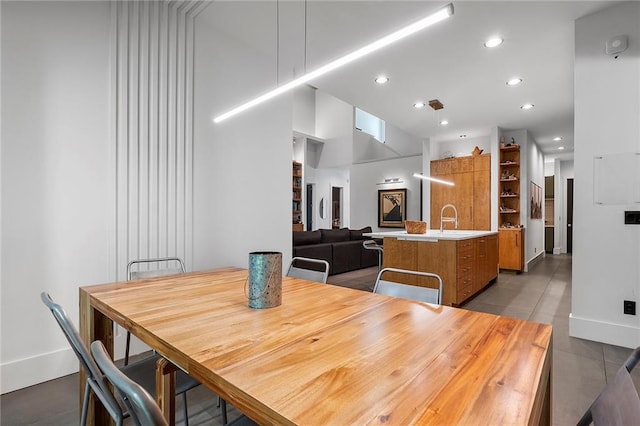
(166, 389)
(94, 326)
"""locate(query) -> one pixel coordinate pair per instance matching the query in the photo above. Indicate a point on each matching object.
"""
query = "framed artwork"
(536, 201)
(392, 208)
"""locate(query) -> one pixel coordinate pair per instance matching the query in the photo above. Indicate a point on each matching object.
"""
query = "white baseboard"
(537, 258)
(30, 371)
(26, 372)
(604, 332)
(556, 250)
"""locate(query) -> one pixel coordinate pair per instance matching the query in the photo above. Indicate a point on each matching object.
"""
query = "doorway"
(570, 215)
(336, 207)
(309, 207)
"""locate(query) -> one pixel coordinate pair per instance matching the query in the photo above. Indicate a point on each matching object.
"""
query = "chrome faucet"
(450, 219)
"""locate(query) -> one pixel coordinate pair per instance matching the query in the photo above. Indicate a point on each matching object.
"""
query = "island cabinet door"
(492, 258)
(400, 254)
(440, 258)
(486, 261)
(482, 269)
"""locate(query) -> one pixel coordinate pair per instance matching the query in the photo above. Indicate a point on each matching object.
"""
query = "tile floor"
(580, 367)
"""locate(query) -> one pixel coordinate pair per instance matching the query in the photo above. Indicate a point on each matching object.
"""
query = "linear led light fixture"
(389, 181)
(432, 179)
(423, 23)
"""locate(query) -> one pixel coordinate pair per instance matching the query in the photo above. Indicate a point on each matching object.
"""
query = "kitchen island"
(467, 261)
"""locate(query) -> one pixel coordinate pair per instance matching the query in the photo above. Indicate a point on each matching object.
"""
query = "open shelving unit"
(511, 232)
(509, 207)
(296, 209)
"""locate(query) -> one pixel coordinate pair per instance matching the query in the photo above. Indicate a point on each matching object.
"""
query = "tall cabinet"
(511, 232)
(471, 193)
(296, 209)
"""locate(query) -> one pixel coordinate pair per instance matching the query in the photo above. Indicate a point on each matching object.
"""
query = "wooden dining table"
(329, 355)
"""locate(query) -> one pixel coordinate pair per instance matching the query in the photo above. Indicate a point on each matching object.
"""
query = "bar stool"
(372, 245)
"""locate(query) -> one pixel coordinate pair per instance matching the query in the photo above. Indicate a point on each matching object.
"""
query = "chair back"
(618, 403)
(95, 379)
(310, 269)
(172, 266)
(405, 291)
(143, 408)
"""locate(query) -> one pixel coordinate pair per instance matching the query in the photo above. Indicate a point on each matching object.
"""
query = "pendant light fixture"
(421, 24)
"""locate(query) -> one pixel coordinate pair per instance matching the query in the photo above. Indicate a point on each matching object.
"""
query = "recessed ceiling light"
(493, 42)
(382, 79)
(557, 138)
(463, 136)
(561, 147)
(514, 81)
(444, 122)
(419, 105)
(527, 106)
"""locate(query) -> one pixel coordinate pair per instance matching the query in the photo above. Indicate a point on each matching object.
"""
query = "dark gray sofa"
(342, 248)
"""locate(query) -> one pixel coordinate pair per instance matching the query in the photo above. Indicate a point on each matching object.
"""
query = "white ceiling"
(447, 61)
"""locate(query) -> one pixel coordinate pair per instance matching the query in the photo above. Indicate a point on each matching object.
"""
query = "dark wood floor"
(581, 368)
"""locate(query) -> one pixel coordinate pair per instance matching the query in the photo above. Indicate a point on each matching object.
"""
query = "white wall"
(58, 213)
(606, 253)
(304, 110)
(534, 241)
(334, 124)
(398, 144)
(364, 191)
(59, 175)
(402, 142)
(242, 177)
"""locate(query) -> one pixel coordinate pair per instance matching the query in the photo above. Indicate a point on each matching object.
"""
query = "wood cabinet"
(465, 266)
(511, 247)
(486, 260)
(296, 209)
(471, 193)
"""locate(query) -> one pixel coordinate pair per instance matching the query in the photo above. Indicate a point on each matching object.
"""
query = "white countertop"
(432, 235)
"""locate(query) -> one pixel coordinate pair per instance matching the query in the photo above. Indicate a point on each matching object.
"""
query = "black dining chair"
(142, 407)
(618, 404)
(95, 382)
(160, 267)
(142, 372)
(309, 269)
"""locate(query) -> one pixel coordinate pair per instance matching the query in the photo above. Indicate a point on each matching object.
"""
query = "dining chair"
(406, 291)
(95, 381)
(373, 245)
(310, 269)
(163, 266)
(144, 410)
(618, 403)
(160, 267)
